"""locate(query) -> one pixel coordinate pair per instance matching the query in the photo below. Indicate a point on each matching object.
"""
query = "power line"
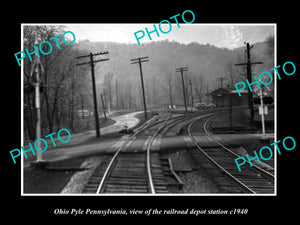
(248, 65)
(92, 63)
(181, 70)
(140, 60)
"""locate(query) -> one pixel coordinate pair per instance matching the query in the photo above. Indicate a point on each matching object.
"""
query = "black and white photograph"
(107, 112)
(129, 112)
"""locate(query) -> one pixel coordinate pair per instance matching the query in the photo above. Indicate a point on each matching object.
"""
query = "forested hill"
(205, 63)
(67, 87)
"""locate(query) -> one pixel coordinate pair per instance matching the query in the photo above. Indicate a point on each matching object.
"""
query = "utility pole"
(192, 98)
(182, 69)
(140, 60)
(221, 80)
(92, 63)
(249, 77)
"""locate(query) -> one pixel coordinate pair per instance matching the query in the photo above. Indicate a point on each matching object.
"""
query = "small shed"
(222, 97)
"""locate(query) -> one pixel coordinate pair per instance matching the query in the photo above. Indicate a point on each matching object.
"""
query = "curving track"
(136, 169)
(130, 171)
(219, 163)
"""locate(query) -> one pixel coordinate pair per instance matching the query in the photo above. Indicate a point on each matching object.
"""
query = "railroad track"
(133, 172)
(219, 163)
(267, 172)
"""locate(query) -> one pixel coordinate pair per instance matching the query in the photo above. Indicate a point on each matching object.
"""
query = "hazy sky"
(220, 35)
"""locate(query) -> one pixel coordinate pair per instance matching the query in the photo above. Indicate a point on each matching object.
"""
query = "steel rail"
(147, 125)
(108, 168)
(149, 144)
(178, 119)
(211, 137)
(224, 171)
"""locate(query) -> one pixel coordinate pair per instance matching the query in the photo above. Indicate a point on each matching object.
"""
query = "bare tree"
(108, 87)
(198, 86)
(58, 90)
(168, 86)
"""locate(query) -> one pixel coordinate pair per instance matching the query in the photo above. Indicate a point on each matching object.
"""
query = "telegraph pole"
(192, 98)
(249, 77)
(182, 69)
(221, 80)
(92, 63)
(140, 60)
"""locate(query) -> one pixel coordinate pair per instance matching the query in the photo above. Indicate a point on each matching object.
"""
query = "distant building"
(221, 97)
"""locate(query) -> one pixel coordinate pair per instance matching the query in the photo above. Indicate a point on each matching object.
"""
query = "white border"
(150, 195)
(22, 114)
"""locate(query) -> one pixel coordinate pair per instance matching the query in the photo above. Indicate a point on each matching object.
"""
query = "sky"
(220, 35)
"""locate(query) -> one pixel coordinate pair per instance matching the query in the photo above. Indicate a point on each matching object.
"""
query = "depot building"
(222, 97)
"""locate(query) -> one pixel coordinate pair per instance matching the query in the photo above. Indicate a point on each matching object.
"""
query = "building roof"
(222, 91)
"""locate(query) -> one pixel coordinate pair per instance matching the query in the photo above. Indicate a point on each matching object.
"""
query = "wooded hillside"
(67, 88)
